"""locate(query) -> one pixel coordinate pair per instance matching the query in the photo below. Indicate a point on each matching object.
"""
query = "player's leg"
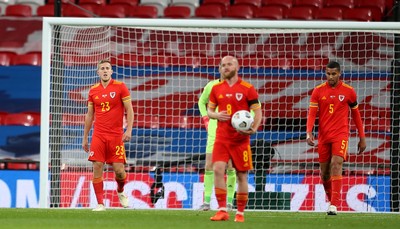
(208, 182)
(324, 164)
(117, 158)
(339, 154)
(98, 185)
(242, 195)
(230, 184)
(97, 157)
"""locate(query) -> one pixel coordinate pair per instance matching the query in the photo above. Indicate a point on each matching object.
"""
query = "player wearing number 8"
(231, 95)
(107, 102)
(332, 101)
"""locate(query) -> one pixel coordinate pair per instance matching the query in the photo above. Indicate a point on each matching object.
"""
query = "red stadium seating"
(270, 13)
(344, 4)
(45, 11)
(311, 3)
(300, 13)
(18, 10)
(357, 14)
(22, 119)
(113, 11)
(34, 58)
(146, 11)
(253, 3)
(239, 12)
(89, 10)
(3, 114)
(284, 3)
(223, 3)
(377, 6)
(92, 2)
(209, 11)
(330, 13)
(124, 2)
(177, 12)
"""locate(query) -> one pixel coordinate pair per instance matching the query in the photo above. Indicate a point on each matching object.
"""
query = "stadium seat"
(34, 58)
(208, 11)
(224, 4)
(45, 11)
(177, 12)
(192, 4)
(159, 4)
(270, 13)
(378, 8)
(92, 2)
(239, 12)
(284, 3)
(344, 4)
(113, 11)
(34, 4)
(300, 13)
(18, 10)
(330, 13)
(6, 58)
(146, 11)
(357, 14)
(4, 4)
(253, 3)
(22, 119)
(312, 3)
(89, 10)
(124, 2)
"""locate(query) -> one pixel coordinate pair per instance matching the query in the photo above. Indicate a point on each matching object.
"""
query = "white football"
(242, 120)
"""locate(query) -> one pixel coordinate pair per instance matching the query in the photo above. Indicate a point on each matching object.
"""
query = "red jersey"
(108, 107)
(241, 96)
(334, 106)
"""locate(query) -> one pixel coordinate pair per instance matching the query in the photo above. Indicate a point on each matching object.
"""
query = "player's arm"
(355, 114)
(312, 115)
(129, 118)
(255, 107)
(88, 125)
(202, 103)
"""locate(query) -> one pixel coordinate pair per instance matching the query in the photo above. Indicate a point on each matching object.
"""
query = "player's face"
(332, 76)
(228, 68)
(105, 71)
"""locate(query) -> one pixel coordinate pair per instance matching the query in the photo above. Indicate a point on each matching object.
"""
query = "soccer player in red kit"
(231, 95)
(332, 100)
(107, 103)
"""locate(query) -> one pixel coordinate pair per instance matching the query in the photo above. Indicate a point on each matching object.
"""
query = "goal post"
(166, 62)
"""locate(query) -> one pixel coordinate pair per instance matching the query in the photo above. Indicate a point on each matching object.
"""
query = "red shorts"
(107, 149)
(239, 152)
(338, 148)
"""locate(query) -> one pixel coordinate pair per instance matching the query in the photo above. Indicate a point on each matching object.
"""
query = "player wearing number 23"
(332, 100)
(107, 102)
(231, 95)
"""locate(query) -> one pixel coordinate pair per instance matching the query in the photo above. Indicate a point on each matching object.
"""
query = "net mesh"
(166, 69)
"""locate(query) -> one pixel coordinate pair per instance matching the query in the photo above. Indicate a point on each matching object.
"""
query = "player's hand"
(248, 132)
(85, 145)
(127, 136)
(223, 116)
(310, 139)
(362, 145)
(206, 120)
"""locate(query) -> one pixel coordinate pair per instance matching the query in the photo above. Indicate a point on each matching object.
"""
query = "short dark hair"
(333, 64)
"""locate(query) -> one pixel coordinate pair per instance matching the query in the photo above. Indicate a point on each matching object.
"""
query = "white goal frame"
(392, 27)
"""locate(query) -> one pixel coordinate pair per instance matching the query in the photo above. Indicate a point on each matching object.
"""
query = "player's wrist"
(309, 135)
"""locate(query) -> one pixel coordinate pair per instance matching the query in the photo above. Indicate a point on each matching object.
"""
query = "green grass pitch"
(143, 219)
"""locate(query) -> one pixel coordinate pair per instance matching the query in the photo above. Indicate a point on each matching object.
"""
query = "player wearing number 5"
(332, 100)
(231, 95)
(107, 103)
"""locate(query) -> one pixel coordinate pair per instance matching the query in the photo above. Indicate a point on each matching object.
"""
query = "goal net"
(166, 63)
